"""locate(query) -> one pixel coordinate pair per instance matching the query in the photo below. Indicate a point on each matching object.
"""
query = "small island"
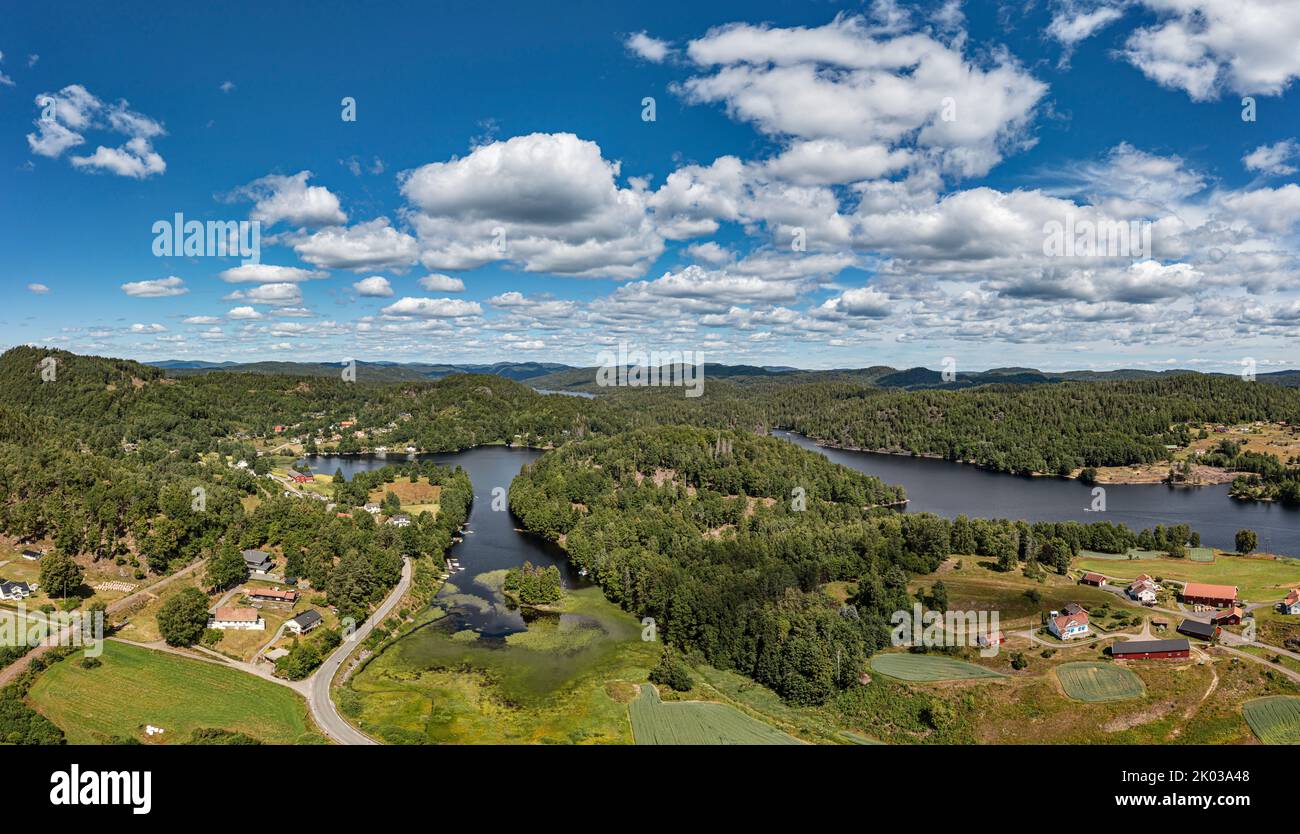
(533, 586)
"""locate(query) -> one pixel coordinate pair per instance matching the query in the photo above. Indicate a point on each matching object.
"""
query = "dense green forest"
(727, 538)
(1052, 429)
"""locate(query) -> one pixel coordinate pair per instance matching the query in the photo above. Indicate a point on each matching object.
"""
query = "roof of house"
(231, 614)
(1177, 644)
(9, 585)
(274, 593)
(1093, 577)
(1200, 589)
(308, 618)
(1073, 608)
(1066, 620)
(1197, 628)
(1292, 597)
(1235, 611)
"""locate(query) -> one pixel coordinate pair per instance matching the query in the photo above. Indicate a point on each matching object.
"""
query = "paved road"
(16, 668)
(318, 698)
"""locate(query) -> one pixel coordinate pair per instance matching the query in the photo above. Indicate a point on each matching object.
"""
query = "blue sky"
(823, 184)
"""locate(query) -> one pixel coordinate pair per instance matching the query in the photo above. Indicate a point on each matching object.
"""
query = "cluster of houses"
(1072, 621)
(245, 618)
(395, 520)
(1143, 590)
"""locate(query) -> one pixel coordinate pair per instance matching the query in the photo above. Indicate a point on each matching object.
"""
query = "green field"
(928, 667)
(697, 722)
(1097, 682)
(1200, 554)
(547, 685)
(1258, 578)
(1276, 719)
(137, 686)
(1133, 555)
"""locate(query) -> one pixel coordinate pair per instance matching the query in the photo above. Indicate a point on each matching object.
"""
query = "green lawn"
(1276, 720)
(1133, 555)
(137, 686)
(697, 722)
(1258, 578)
(1097, 682)
(928, 667)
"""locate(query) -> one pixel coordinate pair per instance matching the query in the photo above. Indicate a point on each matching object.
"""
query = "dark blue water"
(492, 540)
(950, 489)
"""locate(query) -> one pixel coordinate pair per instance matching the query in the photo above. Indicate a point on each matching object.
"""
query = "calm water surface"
(491, 541)
(950, 489)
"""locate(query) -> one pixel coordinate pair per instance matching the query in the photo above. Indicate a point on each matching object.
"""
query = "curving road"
(318, 695)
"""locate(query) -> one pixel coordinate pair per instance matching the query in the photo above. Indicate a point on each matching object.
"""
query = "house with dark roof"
(1151, 649)
(258, 561)
(15, 590)
(1198, 629)
(33, 555)
(304, 622)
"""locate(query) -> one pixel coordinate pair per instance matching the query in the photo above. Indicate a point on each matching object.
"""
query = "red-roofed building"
(1093, 579)
(1291, 603)
(1219, 596)
(273, 594)
(1069, 624)
(1229, 617)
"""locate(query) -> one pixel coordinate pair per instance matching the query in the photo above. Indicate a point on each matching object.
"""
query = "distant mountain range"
(559, 377)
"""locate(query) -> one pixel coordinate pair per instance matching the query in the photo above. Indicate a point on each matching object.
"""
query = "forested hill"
(1041, 428)
(726, 539)
(105, 403)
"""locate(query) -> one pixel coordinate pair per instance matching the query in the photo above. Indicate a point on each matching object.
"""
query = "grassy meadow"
(136, 686)
(558, 682)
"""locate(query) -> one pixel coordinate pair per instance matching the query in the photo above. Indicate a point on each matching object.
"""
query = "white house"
(1291, 603)
(372, 508)
(304, 622)
(400, 520)
(33, 555)
(1068, 624)
(245, 619)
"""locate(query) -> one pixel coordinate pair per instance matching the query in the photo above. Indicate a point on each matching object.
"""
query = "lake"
(950, 489)
(491, 543)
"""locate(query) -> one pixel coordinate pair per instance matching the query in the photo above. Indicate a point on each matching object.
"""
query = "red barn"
(1219, 596)
(1151, 649)
(1093, 579)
